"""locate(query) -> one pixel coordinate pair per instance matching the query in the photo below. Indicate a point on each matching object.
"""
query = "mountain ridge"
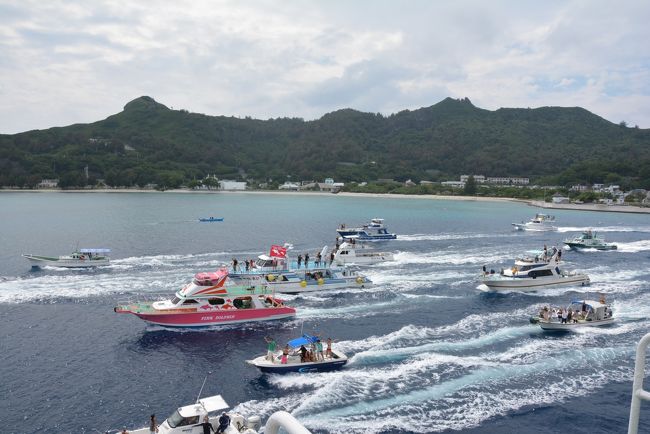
(149, 142)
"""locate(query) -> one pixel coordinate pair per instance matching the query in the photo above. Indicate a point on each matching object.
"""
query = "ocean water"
(429, 351)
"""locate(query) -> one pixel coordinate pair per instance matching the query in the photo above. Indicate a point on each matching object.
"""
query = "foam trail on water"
(401, 353)
(633, 247)
(592, 358)
(604, 229)
(448, 236)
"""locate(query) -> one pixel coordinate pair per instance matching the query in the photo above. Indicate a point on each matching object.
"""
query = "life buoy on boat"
(321, 281)
(303, 283)
(270, 277)
(359, 280)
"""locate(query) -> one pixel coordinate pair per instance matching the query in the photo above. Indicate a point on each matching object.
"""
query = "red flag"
(278, 252)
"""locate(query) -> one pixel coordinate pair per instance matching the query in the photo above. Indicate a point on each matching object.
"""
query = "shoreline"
(534, 203)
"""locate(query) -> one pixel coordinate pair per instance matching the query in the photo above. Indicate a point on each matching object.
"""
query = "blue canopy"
(303, 340)
(94, 250)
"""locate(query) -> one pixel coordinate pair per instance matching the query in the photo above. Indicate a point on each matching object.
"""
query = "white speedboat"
(83, 258)
(295, 362)
(532, 273)
(580, 313)
(190, 419)
(541, 222)
(359, 254)
(589, 240)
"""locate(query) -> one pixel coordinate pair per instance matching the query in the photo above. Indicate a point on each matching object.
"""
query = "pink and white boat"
(206, 301)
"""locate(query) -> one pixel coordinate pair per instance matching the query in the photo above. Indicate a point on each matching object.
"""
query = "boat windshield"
(175, 300)
(176, 420)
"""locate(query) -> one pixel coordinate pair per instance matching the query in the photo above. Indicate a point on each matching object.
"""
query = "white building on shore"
(227, 184)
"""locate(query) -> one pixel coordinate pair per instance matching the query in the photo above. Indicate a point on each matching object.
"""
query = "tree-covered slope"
(148, 142)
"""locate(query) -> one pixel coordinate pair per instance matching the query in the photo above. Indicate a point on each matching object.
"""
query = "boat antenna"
(201, 390)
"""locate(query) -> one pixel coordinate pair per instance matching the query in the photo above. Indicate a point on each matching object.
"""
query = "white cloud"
(63, 62)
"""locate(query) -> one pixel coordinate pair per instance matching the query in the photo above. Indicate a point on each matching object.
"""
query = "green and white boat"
(82, 258)
(589, 240)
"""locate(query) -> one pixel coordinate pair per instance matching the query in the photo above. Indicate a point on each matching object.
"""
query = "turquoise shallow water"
(429, 351)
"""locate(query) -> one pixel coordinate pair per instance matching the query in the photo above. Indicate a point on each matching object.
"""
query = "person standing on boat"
(303, 354)
(306, 260)
(285, 355)
(247, 265)
(332, 257)
(318, 258)
(224, 422)
(299, 260)
(319, 350)
(207, 426)
(153, 425)
(270, 347)
(328, 352)
(234, 264)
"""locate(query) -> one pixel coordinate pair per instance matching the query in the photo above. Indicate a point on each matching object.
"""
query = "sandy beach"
(535, 203)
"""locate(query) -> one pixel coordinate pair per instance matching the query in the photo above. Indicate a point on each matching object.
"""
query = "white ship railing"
(282, 419)
(638, 393)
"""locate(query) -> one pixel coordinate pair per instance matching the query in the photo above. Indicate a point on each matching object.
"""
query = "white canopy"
(209, 405)
(94, 250)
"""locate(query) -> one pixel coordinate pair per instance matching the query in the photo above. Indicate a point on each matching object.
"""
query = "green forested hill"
(149, 143)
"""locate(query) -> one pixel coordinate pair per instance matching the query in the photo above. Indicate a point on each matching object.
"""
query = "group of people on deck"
(249, 264)
(565, 315)
(315, 352)
(318, 262)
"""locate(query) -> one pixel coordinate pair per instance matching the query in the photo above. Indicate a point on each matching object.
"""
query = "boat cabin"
(217, 278)
(190, 415)
(592, 310)
(268, 262)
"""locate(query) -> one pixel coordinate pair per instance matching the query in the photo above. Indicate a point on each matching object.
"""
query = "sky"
(65, 62)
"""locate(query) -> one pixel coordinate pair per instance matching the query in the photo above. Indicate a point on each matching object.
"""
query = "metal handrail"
(638, 393)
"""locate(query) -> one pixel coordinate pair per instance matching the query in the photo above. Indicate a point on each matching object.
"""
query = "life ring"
(270, 277)
(359, 280)
(303, 283)
(321, 281)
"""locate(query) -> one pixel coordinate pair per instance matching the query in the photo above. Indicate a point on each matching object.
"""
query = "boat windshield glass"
(176, 420)
(175, 300)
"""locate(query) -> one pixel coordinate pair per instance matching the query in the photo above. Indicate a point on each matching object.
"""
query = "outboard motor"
(254, 423)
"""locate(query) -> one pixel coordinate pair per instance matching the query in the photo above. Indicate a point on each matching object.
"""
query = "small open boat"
(83, 258)
(294, 361)
(211, 219)
(578, 314)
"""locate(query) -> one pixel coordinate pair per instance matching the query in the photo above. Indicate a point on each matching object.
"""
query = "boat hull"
(529, 284)
(365, 260)
(557, 326)
(42, 261)
(299, 287)
(533, 228)
(578, 246)
(207, 319)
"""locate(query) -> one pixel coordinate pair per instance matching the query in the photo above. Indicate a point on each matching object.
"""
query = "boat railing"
(638, 392)
(284, 420)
